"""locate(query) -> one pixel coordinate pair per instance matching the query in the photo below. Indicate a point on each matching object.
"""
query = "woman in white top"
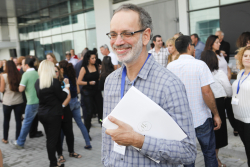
(213, 44)
(221, 89)
(241, 96)
(12, 98)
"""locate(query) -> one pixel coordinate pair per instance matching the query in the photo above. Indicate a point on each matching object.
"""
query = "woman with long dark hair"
(12, 98)
(67, 127)
(92, 95)
(221, 89)
(68, 71)
(214, 45)
(107, 68)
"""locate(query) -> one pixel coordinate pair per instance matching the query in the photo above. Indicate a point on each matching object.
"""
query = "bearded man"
(130, 32)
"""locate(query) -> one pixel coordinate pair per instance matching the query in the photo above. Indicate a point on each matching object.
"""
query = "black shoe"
(236, 133)
(39, 132)
(37, 135)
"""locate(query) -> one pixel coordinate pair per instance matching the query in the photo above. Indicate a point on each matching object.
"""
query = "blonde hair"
(240, 56)
(46, 74)
(53, 56)
(172, 41)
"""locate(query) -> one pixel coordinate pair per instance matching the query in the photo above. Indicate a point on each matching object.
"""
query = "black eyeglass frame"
(132, 33)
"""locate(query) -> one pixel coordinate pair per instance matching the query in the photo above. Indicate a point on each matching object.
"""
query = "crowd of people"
(48, 90)
(190, 80)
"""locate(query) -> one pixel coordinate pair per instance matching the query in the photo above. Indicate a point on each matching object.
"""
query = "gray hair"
(105, 46)
(84, 52)
(145, 20)
(222, 33)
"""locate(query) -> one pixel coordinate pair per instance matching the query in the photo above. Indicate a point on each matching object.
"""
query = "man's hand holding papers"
(125, 135)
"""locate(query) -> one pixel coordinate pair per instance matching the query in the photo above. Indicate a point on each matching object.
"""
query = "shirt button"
(121, 158)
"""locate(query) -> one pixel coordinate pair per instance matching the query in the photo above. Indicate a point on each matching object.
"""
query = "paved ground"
(35, 154)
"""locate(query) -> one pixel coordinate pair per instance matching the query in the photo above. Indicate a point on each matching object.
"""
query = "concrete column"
(183, 16)
(103, 13)
(18, 48)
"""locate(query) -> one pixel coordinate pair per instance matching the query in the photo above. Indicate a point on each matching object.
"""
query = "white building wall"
(4, 54)
(103, 14)
(183, 16)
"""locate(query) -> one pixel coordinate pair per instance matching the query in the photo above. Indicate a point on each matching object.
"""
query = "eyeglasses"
(124, 35)
(192, 44)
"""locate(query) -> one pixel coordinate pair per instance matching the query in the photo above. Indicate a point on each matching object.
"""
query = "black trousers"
(91, 100)
(52, 127)
(244, 132)
(230, 113)
(7, 115)
(221, 138)
(67, 129)
(33, 128)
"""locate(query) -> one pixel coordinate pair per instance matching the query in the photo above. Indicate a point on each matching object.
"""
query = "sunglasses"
(56, 71)
(192, 44)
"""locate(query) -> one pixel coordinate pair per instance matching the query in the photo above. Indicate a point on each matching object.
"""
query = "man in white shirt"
(197, 78)
(160, 54)
(105, 51)
(70, 59)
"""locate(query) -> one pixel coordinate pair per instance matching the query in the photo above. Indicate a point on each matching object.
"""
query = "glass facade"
(59, 28)
(224, 2)
(204, 22)
(205, 16)
(198, 4)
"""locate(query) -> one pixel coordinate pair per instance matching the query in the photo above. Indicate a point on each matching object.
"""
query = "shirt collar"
(159, 51)
(30, 69)
(143, 72)
(186, 56)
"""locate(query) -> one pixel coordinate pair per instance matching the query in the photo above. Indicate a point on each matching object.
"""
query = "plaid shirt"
(161, 57)
(166, 90)
(194, 74)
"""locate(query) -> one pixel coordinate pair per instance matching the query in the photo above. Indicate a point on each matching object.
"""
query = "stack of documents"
(145, 117)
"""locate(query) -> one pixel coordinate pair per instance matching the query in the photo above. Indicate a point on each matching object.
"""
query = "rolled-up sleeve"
(175, 102)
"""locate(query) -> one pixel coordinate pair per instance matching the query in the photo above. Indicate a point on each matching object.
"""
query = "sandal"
(61, 159)
(58, 165)
(220, 164)
(75, 155)
(5, 141)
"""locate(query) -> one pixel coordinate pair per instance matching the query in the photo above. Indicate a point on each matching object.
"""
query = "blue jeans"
(75, 109)
(206, 138)
(30, 113)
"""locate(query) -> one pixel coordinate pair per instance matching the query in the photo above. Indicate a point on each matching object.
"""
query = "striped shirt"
(166, 90)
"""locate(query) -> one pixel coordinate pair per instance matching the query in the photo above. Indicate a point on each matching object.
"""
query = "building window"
(224, 2)
(204, 22)
(199, 4)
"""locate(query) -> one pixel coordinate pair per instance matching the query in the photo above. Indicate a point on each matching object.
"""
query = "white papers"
(145, 117)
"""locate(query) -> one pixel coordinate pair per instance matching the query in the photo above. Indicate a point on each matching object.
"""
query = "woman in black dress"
(92, 95)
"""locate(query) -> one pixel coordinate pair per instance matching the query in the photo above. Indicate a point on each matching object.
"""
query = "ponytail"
(69, 70)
